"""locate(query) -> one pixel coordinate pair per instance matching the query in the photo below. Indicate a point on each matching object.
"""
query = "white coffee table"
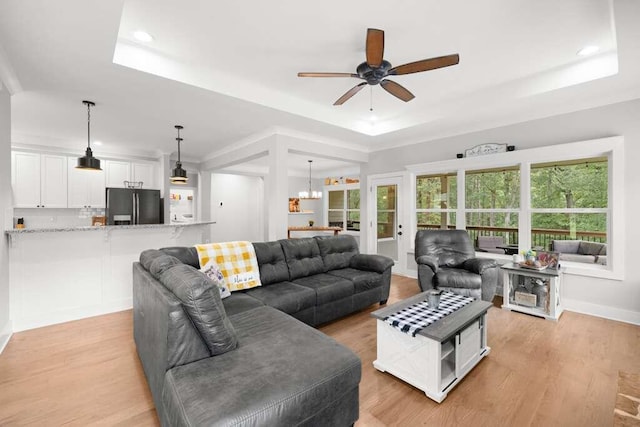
(440, 355)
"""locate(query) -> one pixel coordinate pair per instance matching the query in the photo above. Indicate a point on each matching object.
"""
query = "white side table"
(532, 291)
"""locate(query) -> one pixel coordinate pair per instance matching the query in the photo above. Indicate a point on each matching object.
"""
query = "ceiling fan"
(375, 69)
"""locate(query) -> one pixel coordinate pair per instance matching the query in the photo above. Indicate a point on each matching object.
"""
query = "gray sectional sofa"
(250, 359)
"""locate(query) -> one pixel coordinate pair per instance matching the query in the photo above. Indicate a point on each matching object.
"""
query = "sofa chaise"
(252, 358)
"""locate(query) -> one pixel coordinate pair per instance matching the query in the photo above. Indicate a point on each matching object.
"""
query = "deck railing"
(540, 237)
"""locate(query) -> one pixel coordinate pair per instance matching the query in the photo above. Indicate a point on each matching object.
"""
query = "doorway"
(387, 229)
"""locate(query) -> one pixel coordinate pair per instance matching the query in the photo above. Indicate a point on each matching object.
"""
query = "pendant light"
(88, 161)
(310, 195)
(179, 175)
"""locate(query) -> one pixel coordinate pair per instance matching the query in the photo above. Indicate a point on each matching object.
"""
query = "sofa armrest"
(370, 262)
(429, 261)
(478, 265)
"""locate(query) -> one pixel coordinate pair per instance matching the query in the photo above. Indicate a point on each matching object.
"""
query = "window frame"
(612, 148)
(345, 188)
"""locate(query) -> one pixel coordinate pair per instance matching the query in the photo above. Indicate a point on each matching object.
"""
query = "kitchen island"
(68, 273)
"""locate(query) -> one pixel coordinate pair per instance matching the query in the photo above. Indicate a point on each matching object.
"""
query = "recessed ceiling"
(228, 70)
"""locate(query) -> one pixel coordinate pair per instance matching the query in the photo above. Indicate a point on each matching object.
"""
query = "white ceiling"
(228, 70)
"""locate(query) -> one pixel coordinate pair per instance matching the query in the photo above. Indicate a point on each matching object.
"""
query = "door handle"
(399, 233)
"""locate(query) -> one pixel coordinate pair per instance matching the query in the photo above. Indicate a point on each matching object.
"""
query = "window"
(436, 201)
(569, 202)
(344, 207)
(492, 203)
(567, 198)
(386, 211)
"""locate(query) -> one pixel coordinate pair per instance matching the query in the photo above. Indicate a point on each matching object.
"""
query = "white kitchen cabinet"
(86, 187)
(117, 172)
(145, 173)
(39, 180)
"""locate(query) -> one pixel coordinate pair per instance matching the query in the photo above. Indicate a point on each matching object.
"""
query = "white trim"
(5, 335)
(603, 311)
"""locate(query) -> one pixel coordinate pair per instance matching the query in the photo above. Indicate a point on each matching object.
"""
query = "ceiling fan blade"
(375, 47)
(344, 98)
(327, 75)
(425, 65)
(396, 90)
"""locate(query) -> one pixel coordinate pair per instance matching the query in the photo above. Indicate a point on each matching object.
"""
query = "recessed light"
(588, 50)
(142, 36)
(97, 142)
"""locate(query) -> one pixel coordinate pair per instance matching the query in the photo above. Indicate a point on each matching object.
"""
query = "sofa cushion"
(590, 248)
(282, 372)
(161, 264)
(336, 251)
(187, 254)
(201, 300)
(147, 257)
(328, 288)
(457, 278)
(271, 261)
(285, 296)
(239, 302)
(362, 280)
(565, 246)
(303, 257)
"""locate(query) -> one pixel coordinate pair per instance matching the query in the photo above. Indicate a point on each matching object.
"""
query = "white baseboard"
(603, 311)
(71, 314)
(5, 335)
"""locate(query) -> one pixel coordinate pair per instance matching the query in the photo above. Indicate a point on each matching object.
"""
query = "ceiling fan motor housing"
(373, 75)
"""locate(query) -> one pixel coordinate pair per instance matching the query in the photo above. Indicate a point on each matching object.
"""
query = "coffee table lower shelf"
(439, 356)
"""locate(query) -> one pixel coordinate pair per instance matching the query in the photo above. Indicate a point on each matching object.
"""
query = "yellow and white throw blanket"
(237, 262)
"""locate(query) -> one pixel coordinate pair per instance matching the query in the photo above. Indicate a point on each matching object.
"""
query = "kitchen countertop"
(104, 228)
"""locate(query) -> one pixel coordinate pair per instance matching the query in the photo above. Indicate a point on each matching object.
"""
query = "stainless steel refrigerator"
(133, 206)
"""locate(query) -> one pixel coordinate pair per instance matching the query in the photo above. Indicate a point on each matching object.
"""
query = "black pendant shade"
(179, 175)
(88, 161)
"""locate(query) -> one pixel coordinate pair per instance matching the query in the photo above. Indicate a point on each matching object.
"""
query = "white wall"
(607, 298)
(6, 216)
(241, 216)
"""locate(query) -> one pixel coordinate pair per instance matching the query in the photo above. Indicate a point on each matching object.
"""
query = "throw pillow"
(213, 272)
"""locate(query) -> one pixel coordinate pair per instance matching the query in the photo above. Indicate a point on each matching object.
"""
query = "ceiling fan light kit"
(375, 69)
(87, 161)
(179, 175)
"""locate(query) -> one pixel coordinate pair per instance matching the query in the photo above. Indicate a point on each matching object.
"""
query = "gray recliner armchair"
(446, 261)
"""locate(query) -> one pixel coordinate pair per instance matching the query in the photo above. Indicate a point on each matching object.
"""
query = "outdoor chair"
(446, 261)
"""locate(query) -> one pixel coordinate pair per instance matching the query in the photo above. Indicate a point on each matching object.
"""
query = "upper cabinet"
(145, 173)
(86, 187)
(117, 172)
(39, 180)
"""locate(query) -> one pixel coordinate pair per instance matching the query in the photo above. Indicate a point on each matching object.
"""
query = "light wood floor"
(539, 373)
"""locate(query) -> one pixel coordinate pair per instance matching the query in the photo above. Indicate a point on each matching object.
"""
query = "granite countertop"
(104, 228)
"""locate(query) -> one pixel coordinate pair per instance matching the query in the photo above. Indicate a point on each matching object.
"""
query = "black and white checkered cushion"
(418, 316)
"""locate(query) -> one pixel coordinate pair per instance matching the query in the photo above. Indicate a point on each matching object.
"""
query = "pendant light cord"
(88, 125)
(310, 177)
(178, 139)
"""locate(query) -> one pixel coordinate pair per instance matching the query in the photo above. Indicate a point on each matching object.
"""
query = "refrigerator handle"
(134, 220)
(137, 208)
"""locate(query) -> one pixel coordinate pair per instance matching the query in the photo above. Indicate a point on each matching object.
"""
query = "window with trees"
(436, 201)
(387, 211)
(344, 208)
(569, 201)
(492, 203)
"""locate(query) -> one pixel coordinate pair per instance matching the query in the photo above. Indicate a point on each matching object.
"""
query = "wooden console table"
(335, 230)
